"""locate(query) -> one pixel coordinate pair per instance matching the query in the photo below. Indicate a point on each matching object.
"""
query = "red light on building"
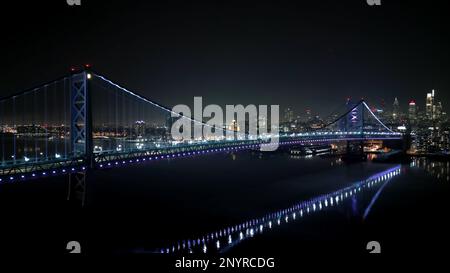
(412, 102)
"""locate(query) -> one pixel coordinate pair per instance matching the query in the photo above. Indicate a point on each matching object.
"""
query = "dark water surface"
(161, 206)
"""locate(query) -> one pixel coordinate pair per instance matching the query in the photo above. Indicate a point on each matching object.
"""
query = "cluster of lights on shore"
(223, 239)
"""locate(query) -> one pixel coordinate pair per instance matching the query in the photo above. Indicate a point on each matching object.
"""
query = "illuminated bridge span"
(85, 121)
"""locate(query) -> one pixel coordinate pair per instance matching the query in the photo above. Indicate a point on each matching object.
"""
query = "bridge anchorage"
(84, 121)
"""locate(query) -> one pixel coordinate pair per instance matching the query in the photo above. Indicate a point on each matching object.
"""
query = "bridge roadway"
(22, 171)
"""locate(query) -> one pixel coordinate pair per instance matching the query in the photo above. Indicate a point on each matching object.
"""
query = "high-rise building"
(395, 110)
(412, 112)
(308, 115)
(429, 105)
(437, 110)
(139, 127)
(288, 115)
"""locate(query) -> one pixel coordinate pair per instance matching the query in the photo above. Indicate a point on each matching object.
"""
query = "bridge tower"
(81, 117)
(354, 122)
(80, 132)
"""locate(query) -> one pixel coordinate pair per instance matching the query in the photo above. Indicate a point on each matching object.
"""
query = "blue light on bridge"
(256, 226)
(110, 164)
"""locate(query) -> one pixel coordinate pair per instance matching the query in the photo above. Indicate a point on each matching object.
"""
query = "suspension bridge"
(85, 121)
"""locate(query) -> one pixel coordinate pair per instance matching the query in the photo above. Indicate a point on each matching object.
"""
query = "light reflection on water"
(223, 239)
(438, 169)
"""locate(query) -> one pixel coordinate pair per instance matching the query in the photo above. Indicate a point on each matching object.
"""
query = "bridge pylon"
(81, 133)
(81, 117)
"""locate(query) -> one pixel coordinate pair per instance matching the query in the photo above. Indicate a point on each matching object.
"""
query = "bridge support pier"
(355, 147)
(81, 134)
(355, 150)
(77, 188)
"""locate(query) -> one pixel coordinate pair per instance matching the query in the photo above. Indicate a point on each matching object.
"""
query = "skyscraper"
(412, 112)
(288, 115)
(437, 110)
(395, 110)
(429, 106)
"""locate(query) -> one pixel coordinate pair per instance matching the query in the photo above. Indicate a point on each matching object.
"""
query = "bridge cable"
(342, 116)
(157, 104)
(370, 111)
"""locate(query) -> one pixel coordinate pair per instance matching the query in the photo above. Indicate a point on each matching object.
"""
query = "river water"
(237, 203)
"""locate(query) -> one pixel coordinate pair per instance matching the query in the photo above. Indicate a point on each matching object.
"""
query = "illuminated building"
(412, 110)
(234, 126)
(288, 115)
(429, 106)
(395, 110)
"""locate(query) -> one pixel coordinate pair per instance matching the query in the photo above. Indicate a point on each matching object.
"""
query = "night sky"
(303, 54)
